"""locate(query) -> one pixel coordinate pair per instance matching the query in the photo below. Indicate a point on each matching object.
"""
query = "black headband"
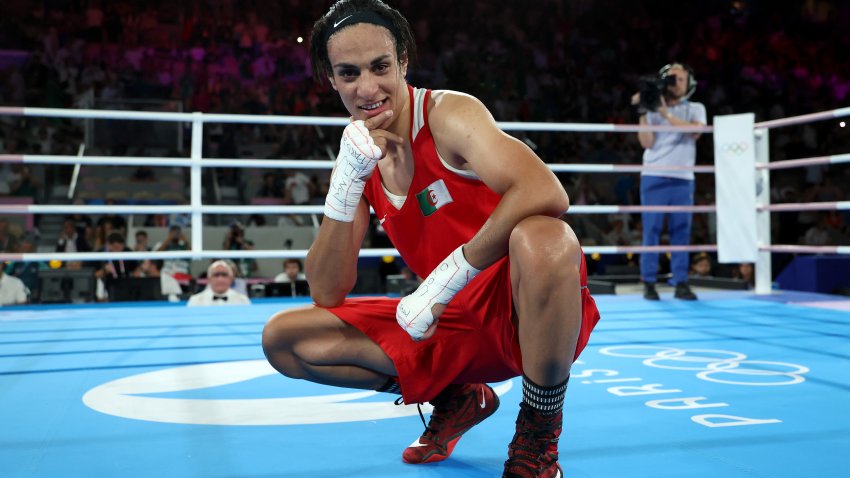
(365, 16)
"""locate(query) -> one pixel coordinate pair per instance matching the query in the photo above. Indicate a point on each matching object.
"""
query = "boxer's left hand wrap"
(442, 284)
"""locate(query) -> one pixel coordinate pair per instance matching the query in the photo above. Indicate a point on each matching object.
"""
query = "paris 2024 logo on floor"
(711, 365)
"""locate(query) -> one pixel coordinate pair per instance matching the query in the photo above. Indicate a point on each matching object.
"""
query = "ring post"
(764, 268)
(195, 178)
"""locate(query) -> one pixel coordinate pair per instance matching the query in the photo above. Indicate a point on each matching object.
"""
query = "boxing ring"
(738, 384)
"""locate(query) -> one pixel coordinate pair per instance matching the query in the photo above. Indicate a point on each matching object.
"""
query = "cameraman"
(672, 187)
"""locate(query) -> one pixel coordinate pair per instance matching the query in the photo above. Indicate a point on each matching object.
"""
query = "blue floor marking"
(728, 350)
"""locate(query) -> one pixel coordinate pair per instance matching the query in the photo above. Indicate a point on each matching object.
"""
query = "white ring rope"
(165, 162)
(296, 163)
(293, 253)
(792, 248)
(284, 209)
(806, 206)
(800, 163)
(809, 118)
(196, 162)
(321, 121)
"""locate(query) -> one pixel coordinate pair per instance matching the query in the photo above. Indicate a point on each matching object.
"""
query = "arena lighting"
(299, 40)
(842, 124)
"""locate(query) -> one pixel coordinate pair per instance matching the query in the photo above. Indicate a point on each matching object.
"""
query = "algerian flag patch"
(433, 197)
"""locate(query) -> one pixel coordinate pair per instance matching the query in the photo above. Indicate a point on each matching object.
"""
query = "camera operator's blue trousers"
(661, 191)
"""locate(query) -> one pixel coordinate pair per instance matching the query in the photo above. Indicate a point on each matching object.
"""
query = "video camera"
(651, 87)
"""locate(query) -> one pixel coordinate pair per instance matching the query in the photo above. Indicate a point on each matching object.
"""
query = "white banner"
(735, 184)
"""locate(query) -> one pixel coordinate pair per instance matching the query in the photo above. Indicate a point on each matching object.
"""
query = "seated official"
(169, 285)
(220, 276)
(110, 270)
(291, 282)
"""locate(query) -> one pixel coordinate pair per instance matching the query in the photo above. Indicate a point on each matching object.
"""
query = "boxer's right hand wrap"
(358, 155)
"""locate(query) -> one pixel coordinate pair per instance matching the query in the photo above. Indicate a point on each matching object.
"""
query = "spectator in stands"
(5, 176)
(115, 268)
(21, 181)
(83, 223)
(27, 271)
(747, 273)
(182, 219)
(220, 276)
(175, 241)
(701, 265)
(118, 223)
(71, 239)
(236, 241)
(298, 187)
(8, 241)
(271, 187)
(618, 235)
(12, 290)
(141, 244)
(101, 232)
(818, 234)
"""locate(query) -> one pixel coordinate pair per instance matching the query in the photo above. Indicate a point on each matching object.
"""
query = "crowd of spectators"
(552, 60)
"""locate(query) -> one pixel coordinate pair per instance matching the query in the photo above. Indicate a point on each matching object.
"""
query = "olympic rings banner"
(735, 183)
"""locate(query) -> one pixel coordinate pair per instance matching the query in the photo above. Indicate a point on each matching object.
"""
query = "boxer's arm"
(466, 132)
(467, 136)
(331, 263)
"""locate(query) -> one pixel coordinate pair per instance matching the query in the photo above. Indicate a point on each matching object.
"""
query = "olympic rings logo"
(735, 148)
(719, 366)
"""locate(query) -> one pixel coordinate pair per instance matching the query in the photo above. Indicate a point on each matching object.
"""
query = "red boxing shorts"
(475, 340)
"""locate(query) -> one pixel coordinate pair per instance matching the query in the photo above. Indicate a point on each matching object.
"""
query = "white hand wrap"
(413, 313)
(358, 155)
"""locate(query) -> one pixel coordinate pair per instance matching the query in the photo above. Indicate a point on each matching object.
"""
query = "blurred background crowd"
(548, 60)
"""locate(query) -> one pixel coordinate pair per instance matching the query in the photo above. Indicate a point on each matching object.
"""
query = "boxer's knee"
(544, 249)
(280, 337)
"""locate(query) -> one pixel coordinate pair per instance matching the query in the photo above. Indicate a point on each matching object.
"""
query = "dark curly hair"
(405, 45)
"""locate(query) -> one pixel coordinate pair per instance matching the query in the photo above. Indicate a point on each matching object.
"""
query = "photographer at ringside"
(663, 100)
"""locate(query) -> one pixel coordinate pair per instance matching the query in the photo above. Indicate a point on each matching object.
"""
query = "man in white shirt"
(673, 187)
(12, 290)
(220, 278)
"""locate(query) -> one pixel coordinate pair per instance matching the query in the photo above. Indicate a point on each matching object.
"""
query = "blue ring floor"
(730, 386)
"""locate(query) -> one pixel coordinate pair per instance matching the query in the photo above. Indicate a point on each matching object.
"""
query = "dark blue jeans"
(660, 191)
